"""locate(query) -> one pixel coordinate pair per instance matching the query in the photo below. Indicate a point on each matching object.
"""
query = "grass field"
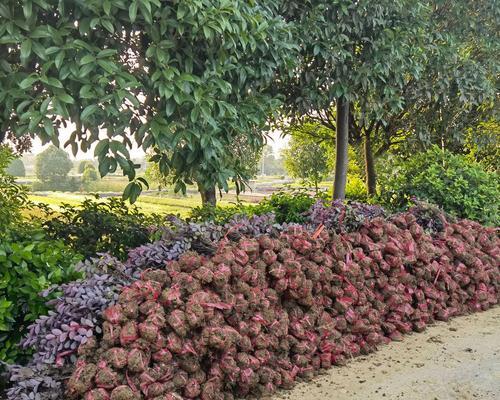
(147, 203)
(166, 202)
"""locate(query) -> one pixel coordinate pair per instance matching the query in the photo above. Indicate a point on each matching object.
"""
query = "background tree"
(269, 164)
(83, 164)
(89, 176)
(182, 77)
(155, 177)
(16, 168)
(306, 159)
(53, 165)
(414, 72)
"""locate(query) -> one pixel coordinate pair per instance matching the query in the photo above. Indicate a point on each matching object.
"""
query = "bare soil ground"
(457, 360)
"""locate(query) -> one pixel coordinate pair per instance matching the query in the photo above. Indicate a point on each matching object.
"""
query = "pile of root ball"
(264, 312)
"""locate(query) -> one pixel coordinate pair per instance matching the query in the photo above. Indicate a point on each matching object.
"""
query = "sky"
(276, 141)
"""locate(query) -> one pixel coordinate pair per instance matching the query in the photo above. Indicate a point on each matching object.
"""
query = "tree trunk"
(208, 196)
(341, 144)
(371, 177)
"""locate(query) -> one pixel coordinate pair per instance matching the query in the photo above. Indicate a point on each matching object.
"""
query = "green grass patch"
(149, 204)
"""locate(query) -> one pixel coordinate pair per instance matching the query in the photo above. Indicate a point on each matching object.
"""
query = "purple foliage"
(74, 318)
(343, 217)
(76, 313)
(40, 382)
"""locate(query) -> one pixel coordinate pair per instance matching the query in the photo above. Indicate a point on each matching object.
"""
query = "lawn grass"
(149, 204)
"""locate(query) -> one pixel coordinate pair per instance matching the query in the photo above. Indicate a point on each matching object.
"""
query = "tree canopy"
(188, 80)
(183, 78)
(16, 168)
(53, 165)
(414, 71)
(307, 159)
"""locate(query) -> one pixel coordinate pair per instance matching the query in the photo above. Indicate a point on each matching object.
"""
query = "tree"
(83, 164)
(89, 176)
(414, 72)
(452, 96)
(350, 52)
(240, 154)
(306, 159)
(481, 144)
(155, 177)
(16, 168)
(269, 164)
(53, 165)
(183, 78)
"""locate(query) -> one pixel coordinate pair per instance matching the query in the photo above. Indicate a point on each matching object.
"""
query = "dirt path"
(458, 360)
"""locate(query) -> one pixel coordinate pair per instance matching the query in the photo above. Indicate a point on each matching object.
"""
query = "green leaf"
(132, 192)
(144, 182)
(28, 82)
(107, 66)
(126, 192)
(48, 126)
(55, 82)
(106, 53)
(51, 50)
(45, 105)
(66, 98)
(135, 192)
(108, 25)
(132, 11)
(88, 111)
(101, 148)
(26, 49)
(27, 9)
(170, 108)
(86, 92)
(106, 6)
(104, 166)
(87, 59)
(59, 59)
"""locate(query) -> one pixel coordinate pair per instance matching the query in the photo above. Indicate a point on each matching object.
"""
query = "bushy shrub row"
(461, 187)
(66, 184)
(287, 207)
(30, 262)
(100, 226)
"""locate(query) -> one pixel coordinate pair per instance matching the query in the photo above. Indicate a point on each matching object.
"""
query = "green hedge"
(461, 187)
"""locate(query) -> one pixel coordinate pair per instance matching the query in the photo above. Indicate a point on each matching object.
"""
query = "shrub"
(461, 187)
(66, 184)
(287, 206)
(29, 263)
(355, 189)
(220, 215)
(12, 196)
(100, 226)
